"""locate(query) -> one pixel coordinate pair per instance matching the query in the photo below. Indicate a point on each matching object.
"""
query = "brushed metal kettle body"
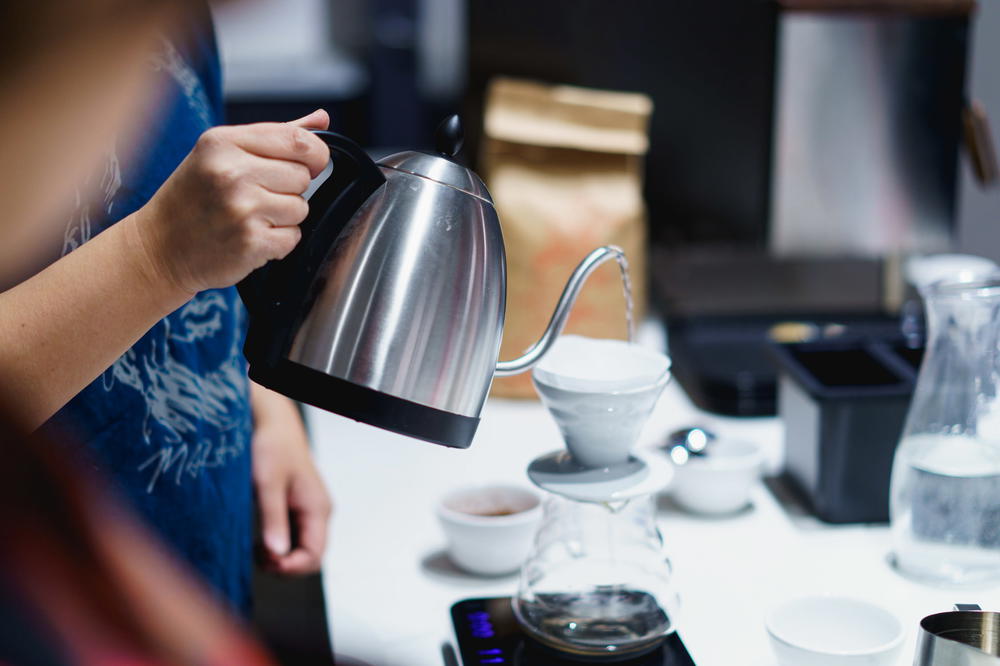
(390, 310)
(413, 309)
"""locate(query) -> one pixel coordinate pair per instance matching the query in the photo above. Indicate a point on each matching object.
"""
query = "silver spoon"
(687, 442)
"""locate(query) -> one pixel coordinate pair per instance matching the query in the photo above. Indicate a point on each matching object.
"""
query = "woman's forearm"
(62, 328)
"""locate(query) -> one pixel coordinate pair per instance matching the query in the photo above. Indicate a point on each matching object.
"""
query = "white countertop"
(389, 585)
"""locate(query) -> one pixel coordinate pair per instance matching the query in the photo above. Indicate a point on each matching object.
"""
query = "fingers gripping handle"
(275, 294)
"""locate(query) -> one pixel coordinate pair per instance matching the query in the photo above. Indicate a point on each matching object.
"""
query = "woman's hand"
(233, 204)
(293, 506)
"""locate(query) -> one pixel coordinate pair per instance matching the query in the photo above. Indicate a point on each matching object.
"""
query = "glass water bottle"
(945, 491)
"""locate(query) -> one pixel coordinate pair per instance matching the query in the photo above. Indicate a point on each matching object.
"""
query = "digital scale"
(488, 633)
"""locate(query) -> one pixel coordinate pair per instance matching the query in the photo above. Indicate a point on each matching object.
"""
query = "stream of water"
(627, 290)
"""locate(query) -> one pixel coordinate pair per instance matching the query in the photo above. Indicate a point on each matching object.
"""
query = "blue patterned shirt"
(169, 423)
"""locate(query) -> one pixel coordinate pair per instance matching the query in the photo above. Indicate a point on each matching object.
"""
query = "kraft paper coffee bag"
(565, 166)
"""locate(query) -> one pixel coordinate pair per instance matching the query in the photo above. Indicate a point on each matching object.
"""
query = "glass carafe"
(945, 491)
(597, 583)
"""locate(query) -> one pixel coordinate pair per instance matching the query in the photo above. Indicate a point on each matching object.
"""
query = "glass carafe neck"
(957, 387)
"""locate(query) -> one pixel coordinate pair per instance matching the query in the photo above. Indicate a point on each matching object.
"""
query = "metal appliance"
(390, 309)
(967, 636)
(869, 99)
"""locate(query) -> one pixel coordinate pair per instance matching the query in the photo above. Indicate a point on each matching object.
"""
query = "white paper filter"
(593, 365)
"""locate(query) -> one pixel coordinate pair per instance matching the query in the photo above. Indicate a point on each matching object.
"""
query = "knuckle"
(210, 139)
(226, 180)
(297, 138)
(239, 207)
(309, 147)
(220, 175)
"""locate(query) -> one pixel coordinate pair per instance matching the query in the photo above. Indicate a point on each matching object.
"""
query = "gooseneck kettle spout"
(561, 314)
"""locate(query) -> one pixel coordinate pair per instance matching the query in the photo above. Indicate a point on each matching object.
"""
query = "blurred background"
(799, 151)
(390, 69)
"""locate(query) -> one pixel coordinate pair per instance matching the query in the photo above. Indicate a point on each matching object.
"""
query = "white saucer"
(558, 473)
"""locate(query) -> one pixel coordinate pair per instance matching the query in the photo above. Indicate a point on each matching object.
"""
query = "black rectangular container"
(843, 404)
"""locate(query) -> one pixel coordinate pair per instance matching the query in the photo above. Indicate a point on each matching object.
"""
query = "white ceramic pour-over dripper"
(600, 392)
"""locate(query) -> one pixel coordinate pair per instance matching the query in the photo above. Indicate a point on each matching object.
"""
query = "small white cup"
(490, 529)
(720, 482)
(834, 631)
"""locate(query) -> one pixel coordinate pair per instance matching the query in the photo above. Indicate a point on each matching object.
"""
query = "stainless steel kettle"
(390, 310)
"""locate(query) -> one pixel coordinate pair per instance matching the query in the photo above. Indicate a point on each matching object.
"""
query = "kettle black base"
(367, 405)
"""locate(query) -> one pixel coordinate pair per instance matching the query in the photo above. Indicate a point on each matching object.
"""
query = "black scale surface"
(488, 634)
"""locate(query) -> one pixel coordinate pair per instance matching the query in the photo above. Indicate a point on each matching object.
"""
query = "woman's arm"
(63, 327)
(232, 205)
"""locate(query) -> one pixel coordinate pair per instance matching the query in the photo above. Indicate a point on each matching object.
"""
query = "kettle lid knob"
(449, 136)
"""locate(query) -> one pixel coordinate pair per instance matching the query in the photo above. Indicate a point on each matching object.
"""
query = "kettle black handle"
(274, 294)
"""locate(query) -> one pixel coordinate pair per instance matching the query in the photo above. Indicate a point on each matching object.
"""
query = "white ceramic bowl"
(479, 540)
(834, 631)
(720, 482)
